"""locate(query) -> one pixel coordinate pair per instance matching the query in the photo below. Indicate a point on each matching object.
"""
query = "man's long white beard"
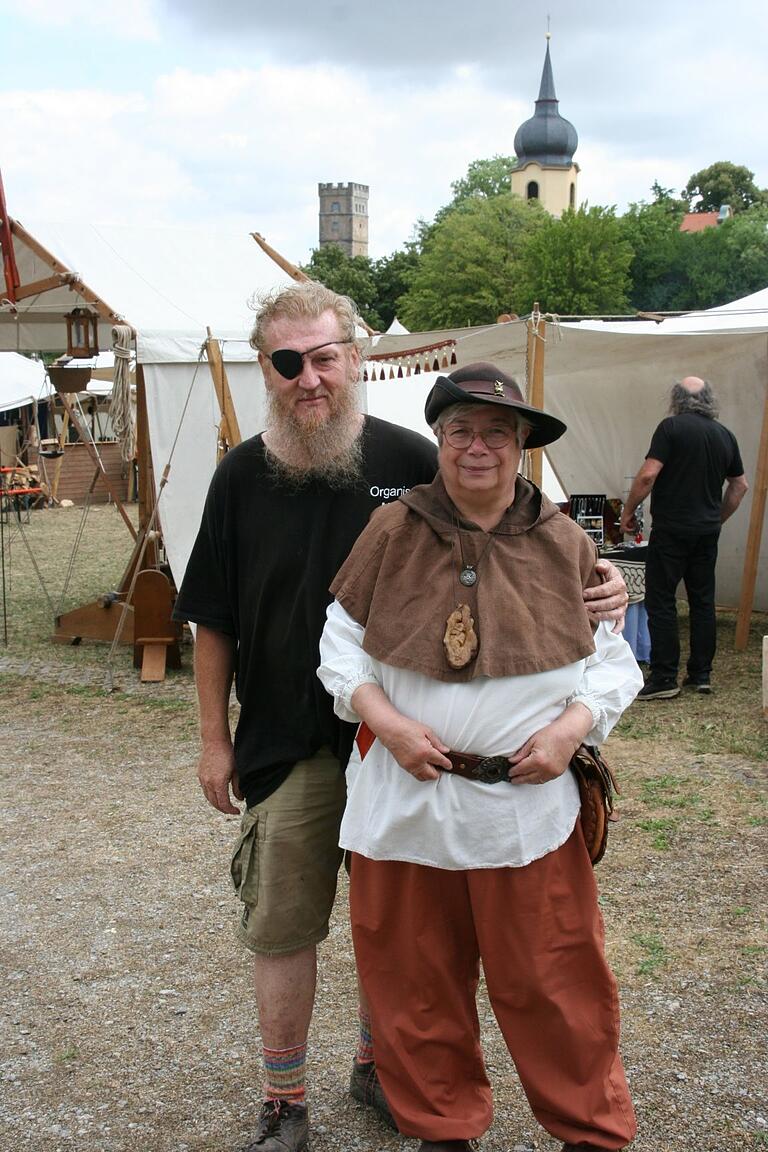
(327, 448)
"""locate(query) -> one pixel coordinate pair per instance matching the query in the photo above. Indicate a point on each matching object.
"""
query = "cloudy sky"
(189, 111)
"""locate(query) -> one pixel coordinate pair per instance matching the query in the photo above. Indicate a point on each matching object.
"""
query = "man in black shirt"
(690, 458)
(282, 513)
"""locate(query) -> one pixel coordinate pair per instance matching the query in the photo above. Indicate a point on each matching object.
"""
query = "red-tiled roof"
(698, 221)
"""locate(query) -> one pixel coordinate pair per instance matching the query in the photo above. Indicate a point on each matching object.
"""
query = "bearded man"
(282, 513)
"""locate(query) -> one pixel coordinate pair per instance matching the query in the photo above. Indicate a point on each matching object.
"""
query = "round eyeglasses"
(497, 436)
(289, 363)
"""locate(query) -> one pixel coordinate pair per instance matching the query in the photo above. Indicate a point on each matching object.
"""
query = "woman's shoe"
(449, 1146)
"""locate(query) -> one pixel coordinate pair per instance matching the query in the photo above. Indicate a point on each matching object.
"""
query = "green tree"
(728, 261)
(392, 276)
(723, 183)
(485, 178)
(578, 265)
(657, 270)
(746, 243)
(468, 269)
(351, 276)
(665, 198)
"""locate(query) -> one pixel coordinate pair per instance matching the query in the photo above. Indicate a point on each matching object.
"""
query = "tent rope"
(554, 320)
(120, 408)
(18, 531)
(73, 554)
(86, 508)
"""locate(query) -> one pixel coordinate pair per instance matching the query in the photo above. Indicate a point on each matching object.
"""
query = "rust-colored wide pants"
(419, 934)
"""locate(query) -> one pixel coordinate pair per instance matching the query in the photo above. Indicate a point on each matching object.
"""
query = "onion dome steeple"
(548, 138)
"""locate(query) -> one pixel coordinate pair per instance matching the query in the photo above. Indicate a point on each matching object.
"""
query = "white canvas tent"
(22, 381)
(170, 280)
(610, 388)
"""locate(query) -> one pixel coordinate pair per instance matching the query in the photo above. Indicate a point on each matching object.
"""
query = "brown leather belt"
(486, 769)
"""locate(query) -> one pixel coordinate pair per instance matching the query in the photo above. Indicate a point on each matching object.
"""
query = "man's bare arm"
(214, 670)
(641, 487)
(736, 490)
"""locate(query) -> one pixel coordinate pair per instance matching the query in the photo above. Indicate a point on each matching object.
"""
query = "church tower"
(544, 147)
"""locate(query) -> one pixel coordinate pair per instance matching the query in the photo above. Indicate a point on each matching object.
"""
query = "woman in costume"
(458, 637)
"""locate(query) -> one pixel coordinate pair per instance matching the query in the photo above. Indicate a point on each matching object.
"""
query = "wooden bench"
(156, 635)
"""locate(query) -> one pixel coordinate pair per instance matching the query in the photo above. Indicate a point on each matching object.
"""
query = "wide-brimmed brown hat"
(484, 384)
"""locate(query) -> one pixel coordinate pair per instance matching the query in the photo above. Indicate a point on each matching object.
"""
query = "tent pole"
(535, 382)
(54, 489)
(229, 429)
(754, 535)
(144, 474)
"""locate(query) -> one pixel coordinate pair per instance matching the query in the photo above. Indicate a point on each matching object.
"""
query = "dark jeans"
(672, 558)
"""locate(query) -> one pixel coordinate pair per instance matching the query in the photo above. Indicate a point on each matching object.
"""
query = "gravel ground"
(127, 1019)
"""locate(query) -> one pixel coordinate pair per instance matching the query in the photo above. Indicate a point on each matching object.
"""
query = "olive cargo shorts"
(286, 860)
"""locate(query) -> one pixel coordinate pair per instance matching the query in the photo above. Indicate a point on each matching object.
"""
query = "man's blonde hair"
(304, 300)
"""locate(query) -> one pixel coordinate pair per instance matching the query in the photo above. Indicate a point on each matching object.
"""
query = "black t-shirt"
(260, 570)
(698, 455)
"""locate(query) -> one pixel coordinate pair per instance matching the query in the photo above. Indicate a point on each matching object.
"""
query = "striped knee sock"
(364, 1054)
(285, 1073)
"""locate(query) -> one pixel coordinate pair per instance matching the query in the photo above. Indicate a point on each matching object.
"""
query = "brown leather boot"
(449, 1146)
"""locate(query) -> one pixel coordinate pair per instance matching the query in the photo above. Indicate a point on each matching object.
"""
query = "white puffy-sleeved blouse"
(452, 822)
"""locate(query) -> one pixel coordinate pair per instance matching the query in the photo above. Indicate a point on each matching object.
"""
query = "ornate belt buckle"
(492, 770)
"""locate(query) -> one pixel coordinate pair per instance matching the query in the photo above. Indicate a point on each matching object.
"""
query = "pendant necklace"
(460, 638)
(468, 573)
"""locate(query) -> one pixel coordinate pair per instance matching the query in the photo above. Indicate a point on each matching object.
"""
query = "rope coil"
(121, 407)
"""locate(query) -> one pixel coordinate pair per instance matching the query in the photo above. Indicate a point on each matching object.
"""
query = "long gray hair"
(703, 401)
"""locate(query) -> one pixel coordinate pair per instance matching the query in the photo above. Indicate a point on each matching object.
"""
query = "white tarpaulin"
(611, 388)
(183, 416)
(22, 381)
(154, 278)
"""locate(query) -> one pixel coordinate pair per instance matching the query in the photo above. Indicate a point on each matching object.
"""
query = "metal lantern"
(82, 334)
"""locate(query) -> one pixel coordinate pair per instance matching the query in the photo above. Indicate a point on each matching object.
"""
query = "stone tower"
(544, 147)
(344, 217)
